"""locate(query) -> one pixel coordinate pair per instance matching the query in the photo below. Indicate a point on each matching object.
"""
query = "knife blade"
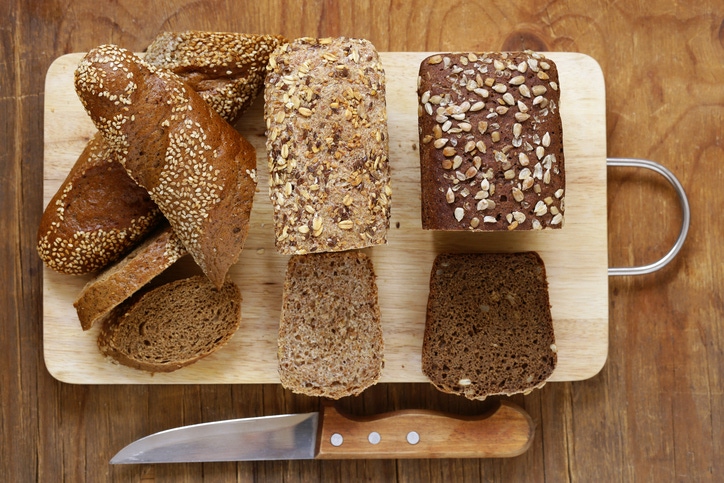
(505, 430)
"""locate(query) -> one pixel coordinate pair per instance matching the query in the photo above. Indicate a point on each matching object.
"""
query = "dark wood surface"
(656, 410)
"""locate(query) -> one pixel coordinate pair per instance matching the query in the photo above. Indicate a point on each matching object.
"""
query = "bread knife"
(505, 430)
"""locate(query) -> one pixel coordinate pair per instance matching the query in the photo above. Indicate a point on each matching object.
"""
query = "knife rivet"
(374, 437)
(413, 437)
(336, 439)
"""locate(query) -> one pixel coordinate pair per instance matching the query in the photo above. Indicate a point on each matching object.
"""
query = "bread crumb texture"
(330, 335)
(173, 325)
(327, 145)
(489, 329)
(491, 142)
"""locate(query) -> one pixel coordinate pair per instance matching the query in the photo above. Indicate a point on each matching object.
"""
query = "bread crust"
(491, 142)
(196, 167)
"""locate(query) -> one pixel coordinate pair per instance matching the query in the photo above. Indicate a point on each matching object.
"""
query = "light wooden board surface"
(576, 257)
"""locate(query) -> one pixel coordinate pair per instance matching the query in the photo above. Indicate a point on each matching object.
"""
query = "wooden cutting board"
(576, 257)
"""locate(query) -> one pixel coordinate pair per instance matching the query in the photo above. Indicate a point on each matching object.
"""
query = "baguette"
(196, 167)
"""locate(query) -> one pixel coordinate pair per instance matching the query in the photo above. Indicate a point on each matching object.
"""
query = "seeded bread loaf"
(330, 335)
(491, 142)
(172, 326)
(124, 278)
(489, 329)
(196, 167)
(99, 213)
(226, 69)
(327, 145)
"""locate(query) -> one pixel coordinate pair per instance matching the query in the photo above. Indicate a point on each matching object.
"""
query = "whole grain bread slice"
(196, 166)
(489, 329)
(124, 278)
(330, 334)
(172, 326)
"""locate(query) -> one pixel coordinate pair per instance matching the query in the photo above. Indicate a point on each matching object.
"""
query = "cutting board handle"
(504, 431)
(686, 212)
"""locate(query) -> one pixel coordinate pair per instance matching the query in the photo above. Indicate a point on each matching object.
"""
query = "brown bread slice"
(330, 335)
(173, 325)
(327, 145)
(124, 278)
(196, 167)
(489, 329)
(99, 213)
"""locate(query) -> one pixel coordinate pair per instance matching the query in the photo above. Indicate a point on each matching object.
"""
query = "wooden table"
(655, 411)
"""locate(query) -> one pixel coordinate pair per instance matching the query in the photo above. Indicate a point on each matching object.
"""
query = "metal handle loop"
(653, 166)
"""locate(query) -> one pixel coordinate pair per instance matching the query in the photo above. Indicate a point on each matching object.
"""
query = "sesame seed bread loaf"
(327, 145)
(489, 329)
(491, 142)
(196, 166)
(121, 280)
(172, 326)
(97, 214)
(226, 69)
(330, 335)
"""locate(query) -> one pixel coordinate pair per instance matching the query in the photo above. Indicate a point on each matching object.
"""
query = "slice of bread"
(124, 278)
(489, 329)
(173, 325)
(330, 335)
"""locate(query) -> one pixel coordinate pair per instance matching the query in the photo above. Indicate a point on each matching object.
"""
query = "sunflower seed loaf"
(489, 329)
(196, 166)
(327, 145)
(491, 142)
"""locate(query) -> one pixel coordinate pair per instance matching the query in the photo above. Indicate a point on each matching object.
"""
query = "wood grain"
(653, 413)
(576, 256)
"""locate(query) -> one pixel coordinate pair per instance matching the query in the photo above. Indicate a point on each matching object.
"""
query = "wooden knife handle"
(507, 430)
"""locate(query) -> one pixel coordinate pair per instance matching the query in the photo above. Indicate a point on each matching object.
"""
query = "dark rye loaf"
(489, 329)
(327, 145)
(195, 166)
(99, 213)
(491, 142)
(172, 326)
(330, 334)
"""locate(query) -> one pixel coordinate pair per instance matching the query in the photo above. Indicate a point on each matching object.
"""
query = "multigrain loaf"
(327, 145)
(172, 326)
(96, 216)
(491, 142)
(226, 69)
(121, 280)
(489, 329)
(99, 213)
(196, 167)
(330, 334)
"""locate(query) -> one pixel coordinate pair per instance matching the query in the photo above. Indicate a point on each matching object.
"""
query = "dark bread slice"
(124, 278)
(197, 168)
(491, 142)
(330, 335)
(172, 326)
(489, 329)
(96, 216)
